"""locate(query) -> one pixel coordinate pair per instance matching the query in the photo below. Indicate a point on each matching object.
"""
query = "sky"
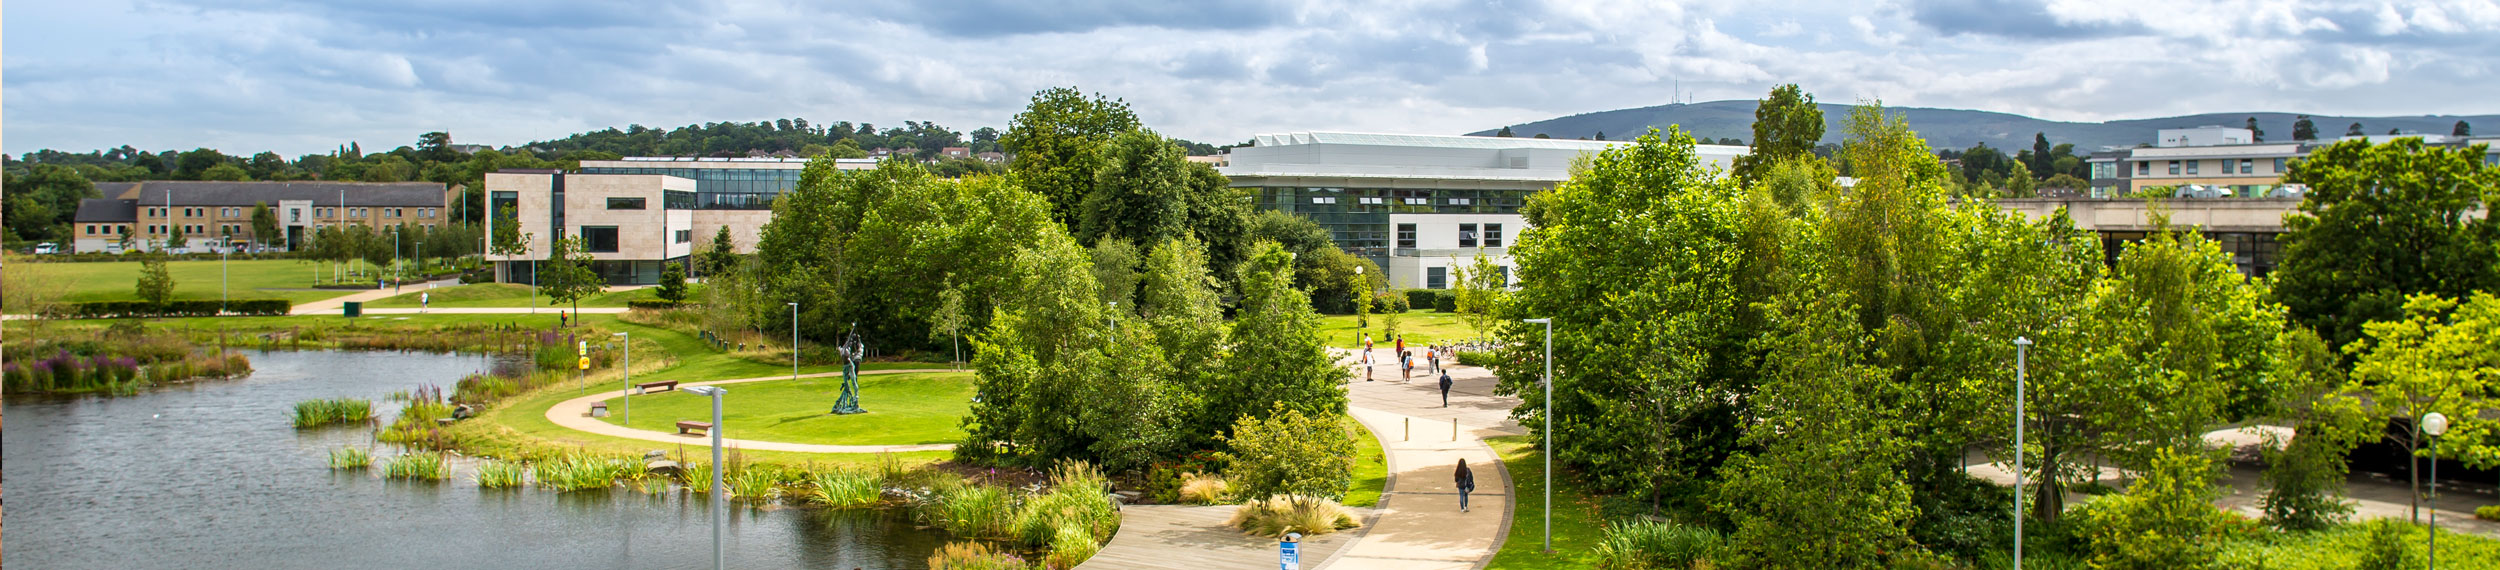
(304, 76)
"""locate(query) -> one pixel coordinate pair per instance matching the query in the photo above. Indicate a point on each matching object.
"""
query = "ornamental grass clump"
(844, 489)
(1280, 514)
(1647, 545)
(974, 556)
(322, 412)
(1070, 547)
(501, 475)
(753, 485)
(1078, 500)
(1202, 489)
(426, 466)
(350, 458)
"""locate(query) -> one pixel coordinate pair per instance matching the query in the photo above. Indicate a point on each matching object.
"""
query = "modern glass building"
(724, 183)
(1413, 204)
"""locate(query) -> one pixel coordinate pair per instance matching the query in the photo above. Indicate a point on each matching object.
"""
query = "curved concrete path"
(574, 414)
(1419, 525)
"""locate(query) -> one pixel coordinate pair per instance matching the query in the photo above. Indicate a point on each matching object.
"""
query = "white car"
(47, 248)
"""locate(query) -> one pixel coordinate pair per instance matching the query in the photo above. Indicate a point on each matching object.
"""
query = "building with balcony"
(211, 212)
(1415, 205)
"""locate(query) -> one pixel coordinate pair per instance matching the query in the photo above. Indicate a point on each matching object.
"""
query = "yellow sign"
(585, 363)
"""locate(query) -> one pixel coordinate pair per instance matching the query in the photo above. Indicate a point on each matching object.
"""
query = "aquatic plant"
(501, 474)
(844, 489)
(576, 472)
(971, 510)
(1077, 500)
(753, 484)
(350, 458)
(322, 412)
(427, 465)
(698, 477)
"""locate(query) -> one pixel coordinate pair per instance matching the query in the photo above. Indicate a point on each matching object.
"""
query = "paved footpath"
(574, 414)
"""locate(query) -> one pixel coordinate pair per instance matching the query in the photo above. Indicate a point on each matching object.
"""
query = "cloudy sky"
(302, 76)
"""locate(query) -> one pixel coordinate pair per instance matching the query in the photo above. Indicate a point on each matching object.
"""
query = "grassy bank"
(903, 409)
(1577, 523)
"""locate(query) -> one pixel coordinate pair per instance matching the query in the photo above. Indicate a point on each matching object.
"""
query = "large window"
(599, 239)
(635, 203)
(1436, 278)
(1493, 235)
(2192, 165)
(2174, 167)
(1466, 235)
(1406, 236)
(2248, 166)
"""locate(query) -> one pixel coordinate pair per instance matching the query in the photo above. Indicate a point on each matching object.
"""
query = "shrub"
(426, 466)
(1071, 547)
(1646, 545)
(1444, 301)
(2487, 512)
(1199, 489)
(973, 556)
(1389, 303)
(317, 413)
(843, 489)
(1477, 358)
(182, 308)
(350, 458)
(2389, 546)
(1291, 454)
(1280, 514)
(2163, 521)
(1418, 298)
(652, 304)
(501, 475)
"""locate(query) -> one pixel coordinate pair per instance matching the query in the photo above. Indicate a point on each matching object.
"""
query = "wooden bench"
(684, 425)
(599, 408)
(647, 387)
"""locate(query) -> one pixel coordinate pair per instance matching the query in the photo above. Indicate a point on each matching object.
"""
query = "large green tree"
(1058, 145)
(1786, 125)
(265, 224)
(2442, 356)
(2381, 222)
(566, 277)
(1277, 355)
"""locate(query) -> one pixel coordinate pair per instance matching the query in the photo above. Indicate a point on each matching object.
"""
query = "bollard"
(1409, 434)
(1453, 429)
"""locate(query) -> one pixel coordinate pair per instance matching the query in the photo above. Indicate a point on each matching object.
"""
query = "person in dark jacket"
(1445, 388)
(1466, 484)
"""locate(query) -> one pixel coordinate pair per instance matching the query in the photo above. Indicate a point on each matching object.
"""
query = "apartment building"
(208, 213)
(636, 215)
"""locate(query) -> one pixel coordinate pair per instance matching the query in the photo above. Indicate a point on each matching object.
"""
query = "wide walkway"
(1195, 538)
(1419, 525)
(574, 414)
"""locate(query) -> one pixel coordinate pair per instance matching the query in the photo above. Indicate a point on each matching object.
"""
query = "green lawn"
(1577, 525)
(903, 409)
(512, 295)
(1420, 327)
(1371, 467)
(520, 427)
(253, 279)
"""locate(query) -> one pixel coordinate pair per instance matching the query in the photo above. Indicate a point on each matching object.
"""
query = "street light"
(629, 377)
(719, 559)
(794, 340)
(1549, 428)
(2435, 424)
(2022, 349)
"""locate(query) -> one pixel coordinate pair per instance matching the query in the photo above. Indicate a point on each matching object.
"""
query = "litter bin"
(355, 308)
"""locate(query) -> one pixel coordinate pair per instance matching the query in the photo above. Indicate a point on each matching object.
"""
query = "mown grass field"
(903, 409)
(253, 279)
(1419, 327)
(511, 295)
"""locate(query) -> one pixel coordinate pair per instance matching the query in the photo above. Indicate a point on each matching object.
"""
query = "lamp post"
(2435, 424)
(2022, 349)
(222, 273)
(719, 558)
(629, 376)
(1549, 429)
(794, 340)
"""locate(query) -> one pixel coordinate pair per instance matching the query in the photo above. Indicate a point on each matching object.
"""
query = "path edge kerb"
(571, 414)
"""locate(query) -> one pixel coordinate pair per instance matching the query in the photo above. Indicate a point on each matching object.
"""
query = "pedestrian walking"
(1407, 361)
(1466, 484)
(1433, 355)
(425, 301)
(1445, 388)
(1401, 344)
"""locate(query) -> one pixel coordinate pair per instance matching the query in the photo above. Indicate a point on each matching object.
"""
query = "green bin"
(355, 308)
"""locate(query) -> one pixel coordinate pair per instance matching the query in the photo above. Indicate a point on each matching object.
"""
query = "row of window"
(1439, 277)
(1468, 235)
(159, 212)
(2178, 167)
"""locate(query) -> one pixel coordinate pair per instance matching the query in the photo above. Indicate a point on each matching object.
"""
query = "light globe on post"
(2434, 424)
(2022, 349)
(719, 556)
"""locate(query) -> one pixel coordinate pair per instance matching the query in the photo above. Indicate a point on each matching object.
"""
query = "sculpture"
(852, 351)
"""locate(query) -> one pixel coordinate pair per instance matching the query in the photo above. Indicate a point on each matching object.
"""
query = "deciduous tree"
(566, 278)
(2379, 223)
(2442, 356)
(1057, 142)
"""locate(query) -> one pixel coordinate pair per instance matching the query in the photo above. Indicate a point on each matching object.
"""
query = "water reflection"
(213, 474)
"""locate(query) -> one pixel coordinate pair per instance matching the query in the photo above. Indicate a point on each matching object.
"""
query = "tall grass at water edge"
(350, 458)
(583, 472)
(1078, 499)
(971, 510)
(844, 489)
(974, 556)
(501, 475)
(322, 412)
(427, 465)
(753, 484)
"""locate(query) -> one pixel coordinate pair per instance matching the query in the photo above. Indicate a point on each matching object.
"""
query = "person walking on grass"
(1445, 388)
(1466, 484)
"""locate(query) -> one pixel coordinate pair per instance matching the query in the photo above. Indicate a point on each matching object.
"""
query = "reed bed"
(573, 472)
(322, 412)
(753, 484)
(971, 510)
(501, 475)
(427, 466)
(845, 489)
(350, 458)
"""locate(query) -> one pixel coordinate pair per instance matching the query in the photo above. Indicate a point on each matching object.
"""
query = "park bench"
(599, 409)
(684, 425)
(648, 387)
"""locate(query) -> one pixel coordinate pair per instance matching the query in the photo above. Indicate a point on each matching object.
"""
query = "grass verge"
(1578, 527)
(1371, 467)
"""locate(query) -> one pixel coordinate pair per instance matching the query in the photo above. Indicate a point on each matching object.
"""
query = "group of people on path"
(1464, 478)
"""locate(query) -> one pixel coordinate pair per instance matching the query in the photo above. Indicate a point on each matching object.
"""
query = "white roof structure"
(1422, 157)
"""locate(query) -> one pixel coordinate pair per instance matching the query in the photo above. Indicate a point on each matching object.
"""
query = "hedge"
(1442, 300)
(134, 255)
(1389, 303)
(653, 304)
(1418, 298)
(184, 308)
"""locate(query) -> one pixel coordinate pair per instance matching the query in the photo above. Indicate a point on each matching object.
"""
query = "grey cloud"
(995, 18)
(2012, 19)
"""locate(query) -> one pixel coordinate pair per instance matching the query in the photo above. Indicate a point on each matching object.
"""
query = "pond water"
(213, 474)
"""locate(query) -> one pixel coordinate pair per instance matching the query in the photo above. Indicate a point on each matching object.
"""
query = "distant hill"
(1961, 128)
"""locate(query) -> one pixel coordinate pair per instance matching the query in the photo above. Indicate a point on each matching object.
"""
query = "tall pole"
(2434, 424)
(1548, 451)
(222, 277)
(629, 377)
(2022, 349)
(720, 560)
(794, 341)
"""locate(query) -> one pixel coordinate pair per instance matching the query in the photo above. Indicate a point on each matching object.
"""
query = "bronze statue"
(852, 351)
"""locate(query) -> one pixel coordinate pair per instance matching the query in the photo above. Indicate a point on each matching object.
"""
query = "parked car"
(47, 248)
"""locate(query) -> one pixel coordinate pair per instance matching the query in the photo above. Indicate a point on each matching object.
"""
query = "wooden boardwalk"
(1195, 538)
